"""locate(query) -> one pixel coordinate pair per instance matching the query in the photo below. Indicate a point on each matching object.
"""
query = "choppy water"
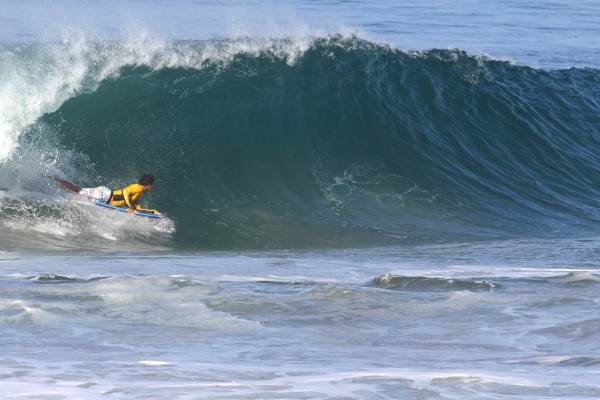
(430, 322)
(363, 200)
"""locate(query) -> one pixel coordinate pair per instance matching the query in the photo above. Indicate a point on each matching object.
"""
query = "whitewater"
(363, 200)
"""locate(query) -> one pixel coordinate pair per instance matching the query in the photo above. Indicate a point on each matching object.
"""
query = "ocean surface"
(363, 199)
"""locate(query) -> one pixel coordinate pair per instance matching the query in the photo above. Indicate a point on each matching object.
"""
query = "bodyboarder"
(128, 196)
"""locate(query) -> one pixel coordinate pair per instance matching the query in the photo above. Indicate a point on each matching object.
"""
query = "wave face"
(323, 142)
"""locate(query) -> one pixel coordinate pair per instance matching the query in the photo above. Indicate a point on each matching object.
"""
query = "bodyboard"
(122, 209)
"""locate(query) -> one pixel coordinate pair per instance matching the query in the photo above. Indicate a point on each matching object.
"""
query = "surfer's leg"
(67, 185)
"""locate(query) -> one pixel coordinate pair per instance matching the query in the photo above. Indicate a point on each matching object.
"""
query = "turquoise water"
(363, 200)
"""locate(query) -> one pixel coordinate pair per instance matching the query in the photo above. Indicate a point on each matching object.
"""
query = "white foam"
(155, 363)
(35, 80)
(16, 312)
(134, 300)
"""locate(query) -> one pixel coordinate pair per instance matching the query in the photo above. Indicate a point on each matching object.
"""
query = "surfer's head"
(147, 181)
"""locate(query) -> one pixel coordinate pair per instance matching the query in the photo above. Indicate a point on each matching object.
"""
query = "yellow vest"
(128, 196)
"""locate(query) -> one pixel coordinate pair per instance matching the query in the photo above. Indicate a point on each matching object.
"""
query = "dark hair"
(147, 180)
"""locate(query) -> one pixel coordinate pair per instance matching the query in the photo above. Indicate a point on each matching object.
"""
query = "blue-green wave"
(347, 143)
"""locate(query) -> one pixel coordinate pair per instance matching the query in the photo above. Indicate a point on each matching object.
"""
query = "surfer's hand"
(130, 210)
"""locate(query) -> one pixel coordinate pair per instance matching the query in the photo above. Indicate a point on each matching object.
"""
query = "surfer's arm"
(127, 198)
(148, 210)
(131, 196)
